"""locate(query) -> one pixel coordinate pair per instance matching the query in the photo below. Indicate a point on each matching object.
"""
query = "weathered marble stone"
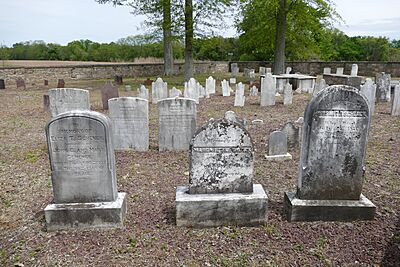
(239, 95)
(252, 74)
(288, 70)
(2, 84)
(268, 90)
(292, 134)
(107, 92)
(159, 90)
(332, 157)
(174, 92)
(176, 123)
(327, 70)
(277, 147)
(83, 173)
(232, 80)
(231, 116)
(339, 71)
(210, 85)
(287, 94)
(354, 70)
(130, 121)
(369, 90)
(234, 69)
(192, 90)
(396, 101)
(60, 83)
(254, 91)
(226, 90)
(21, 83)
(382, 81)
(202, 90)
(262, 71)
(269, 70)
(67, 99)
(143, 92)
(320, 86)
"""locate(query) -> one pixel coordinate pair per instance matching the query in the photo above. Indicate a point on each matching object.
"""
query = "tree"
(189, 67)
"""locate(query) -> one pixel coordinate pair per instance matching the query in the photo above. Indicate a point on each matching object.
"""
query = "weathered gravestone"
(320, 86)
(254, 91)
(277, 147)
(221, 190)
(46, 102)
(268, 91)
(382, 81)
(287, 94)
(2, 84)
(335, 131)
(369, 90)
(210, 85)
(83, 173)
(176, 123)
(339, 71)
(288, 70)
(107, 92)
(354, 70)
(118, 79)
(292, 134)
(239, 95)
(67, 99)
(143, 92)
(60, 83)
(232, 80)
(226, 90)
(396, 101)
(130, 121)
(234, 69)
(159, 90)
(21, 83)
(174, 92)
(268, 70)
(327, 70)
(262, 71)
(191, 90)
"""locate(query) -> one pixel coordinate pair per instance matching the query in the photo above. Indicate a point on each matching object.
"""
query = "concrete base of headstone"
(327, 210)
(279, 157)
(212, 210)
(67, 216)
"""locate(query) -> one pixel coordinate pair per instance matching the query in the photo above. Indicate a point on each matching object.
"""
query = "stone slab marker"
(130, 121)
(339, 71)
(221, 190)
(382, 81)
(336, 125)
(192, 90)
(176, 123)
(262, 70)
(143, 92)
(174, 92)
(83, 174)
(327, 70)
(287, 94)
(277, 147)
(226, 90)
(234, 69)
(239, 95)
(292, 134)
(396, 101)
(210, 85)
(107, 92)
(354, 70)
(159, 90)
(369, 90)
(268, 91)
(67, 99)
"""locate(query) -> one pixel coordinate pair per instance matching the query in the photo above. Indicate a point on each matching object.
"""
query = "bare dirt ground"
(150, 236)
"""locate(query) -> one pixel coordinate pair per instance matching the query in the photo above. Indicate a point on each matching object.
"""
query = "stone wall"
(36, 75)
(365, 68)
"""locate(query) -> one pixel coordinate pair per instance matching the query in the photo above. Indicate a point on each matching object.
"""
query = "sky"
(62, 21)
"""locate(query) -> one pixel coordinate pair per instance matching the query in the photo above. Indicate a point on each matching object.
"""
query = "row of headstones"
(21, 83)
(221, 161)
(250, 73)
(339, 71)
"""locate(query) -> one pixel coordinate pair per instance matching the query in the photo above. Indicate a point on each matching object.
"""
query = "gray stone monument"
(354, 70)
(83, 174)
(221, 191)
(159, 90)
(130, 121)
(292, 134)
(369, 90)
(143, 92)
(335, 131)
(287, 94)
(268, 70)
(320, 86)
(396, 101)
(191, 90)
(327, 70)
(382, 81)
(277, 147)
(107, 92)
(262, 71)
(210, 85)
(174, 92)
(239, 95)
(268, 91)
(67, 99)
(339, 71)
(288, 70)
(234, 70)
(176, 123)
(226, 90)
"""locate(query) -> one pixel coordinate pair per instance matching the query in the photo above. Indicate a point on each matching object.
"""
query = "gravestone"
(159, 90)
(252, 74)
(210, 85)
(239, 95)
(277, 147)
(327, 70)
(21, 83)
(354, 70)
(118, 80)
(232, 80)
(369, 90)
(221, 190)
(130, 121)
(202, 90)
(287, 94)
(174, 92)
(336, 124)
(231, 116)
(254, 91)
(83, 173)
(107, 92)
(288, 70)
(143, 92)
(68, 99)
(46, 102)
(339, 71)
(60, 83)
(2, 84)
(268, 91)
(292, 134)
(226, 90)
(262, 71)
(192, 90)
(320, 86)
(176, 123)
(354, 81)
(382, 81)
(46, 82)
(234, 69)
(396, 101)
(268, 70)
(128, 88)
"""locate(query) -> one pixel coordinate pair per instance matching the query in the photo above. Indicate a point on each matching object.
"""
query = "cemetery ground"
(150, 236)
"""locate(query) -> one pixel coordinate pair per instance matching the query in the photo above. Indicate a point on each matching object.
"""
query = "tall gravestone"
(239, 95)
(226, 90)
(320, 86)
(335, 131)
(287, 94)
(292, 134)
(143, 92)
(159, 90)
(67, 99)
(369, 90)
(210, 85)
(221, 191)
(176, 123)
(83, 173)
(396, 101)
(382, 81)
(192, 90)
(107, 92)
(268, 91)
(130, 121)
(277, 147)
(354, 70)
